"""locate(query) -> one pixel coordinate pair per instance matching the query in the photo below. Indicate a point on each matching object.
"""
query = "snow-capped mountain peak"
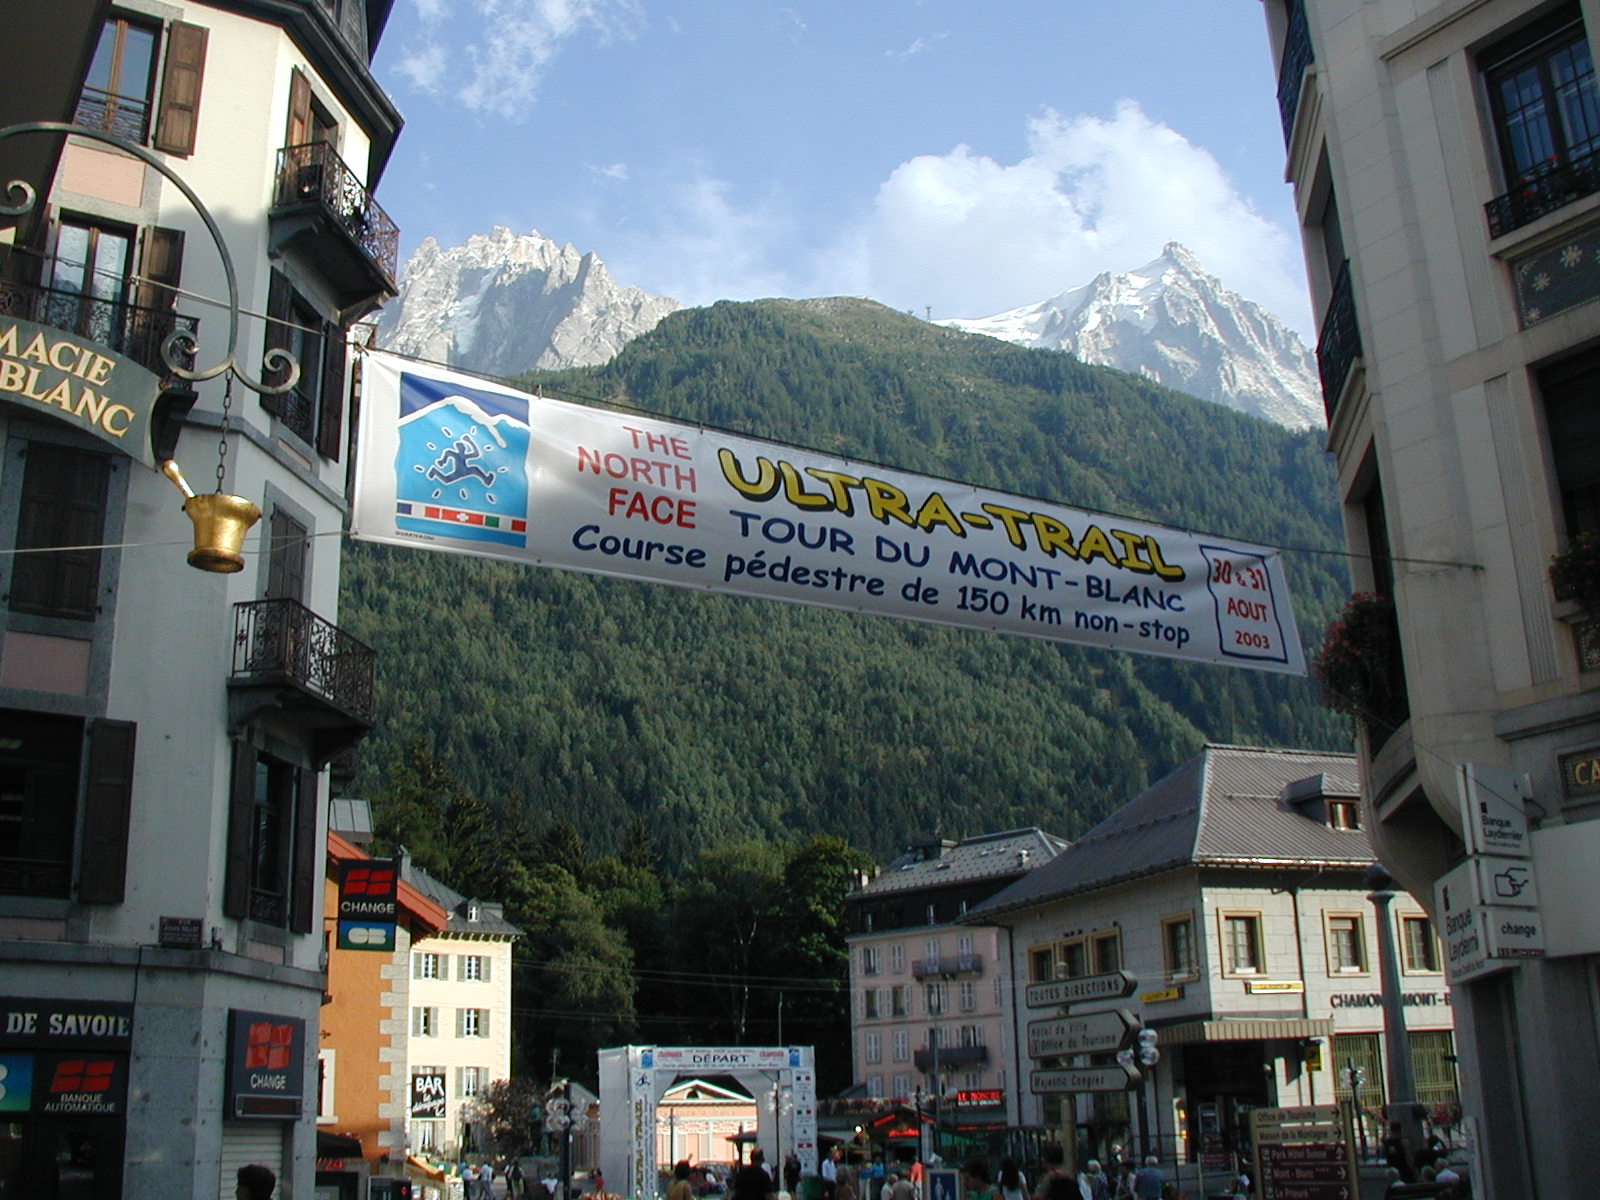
(504, 303)
(1177, 326)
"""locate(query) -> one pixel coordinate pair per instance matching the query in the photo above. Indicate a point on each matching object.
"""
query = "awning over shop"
(337, 1145)
(1245, 1030)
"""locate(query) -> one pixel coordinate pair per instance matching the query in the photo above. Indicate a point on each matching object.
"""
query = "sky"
(952, 158)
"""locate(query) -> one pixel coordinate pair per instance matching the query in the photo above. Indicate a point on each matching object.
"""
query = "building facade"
(1233, 896)
(931, 1015)
(364, 1092)
(165, 733)
(1443, 158)
(460, 1018)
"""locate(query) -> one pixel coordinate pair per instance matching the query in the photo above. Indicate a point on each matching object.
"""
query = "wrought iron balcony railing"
(1552, 185)
(1339, 345)
(125, 116)
(313, 174)
(946, 965)
(130, 329)
(1297, 56)
(283, 640)
(949, 1058)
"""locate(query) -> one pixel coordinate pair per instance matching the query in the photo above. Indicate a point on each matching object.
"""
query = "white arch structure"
(634, 1078)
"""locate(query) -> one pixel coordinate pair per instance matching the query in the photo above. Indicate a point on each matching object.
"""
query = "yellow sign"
(1162, 996)
(1258, 986)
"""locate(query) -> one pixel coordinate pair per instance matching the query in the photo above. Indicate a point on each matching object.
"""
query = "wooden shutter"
(103, 870)
(280, 312)
(330, 416)
(241, 810)
(299, 132)
(305, 885)
(161, 268)
(286, 558)
(178, 109)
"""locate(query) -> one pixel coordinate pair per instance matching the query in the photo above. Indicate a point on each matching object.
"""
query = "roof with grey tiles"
(489, 921)
(987, 856)
(1227, 806)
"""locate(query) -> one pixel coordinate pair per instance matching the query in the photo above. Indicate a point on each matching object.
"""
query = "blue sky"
(958, 156)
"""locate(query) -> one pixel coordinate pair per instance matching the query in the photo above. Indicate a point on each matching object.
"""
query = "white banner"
(450, 462)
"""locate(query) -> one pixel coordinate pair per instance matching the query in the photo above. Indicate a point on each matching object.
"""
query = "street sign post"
(1305, 1153)
(1090, 1033)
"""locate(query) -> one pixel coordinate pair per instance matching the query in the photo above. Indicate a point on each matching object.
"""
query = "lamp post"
(1401, 1080)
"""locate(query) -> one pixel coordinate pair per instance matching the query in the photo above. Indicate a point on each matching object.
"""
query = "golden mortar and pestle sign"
(92, 388)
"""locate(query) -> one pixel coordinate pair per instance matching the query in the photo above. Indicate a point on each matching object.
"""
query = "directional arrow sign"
(1092, 1033)
(1112, 986)
(1116, 1078)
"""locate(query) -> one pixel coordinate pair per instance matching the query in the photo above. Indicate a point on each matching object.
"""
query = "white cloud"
(497, 50)
(615, 171)
(970, 236)
(921, 46)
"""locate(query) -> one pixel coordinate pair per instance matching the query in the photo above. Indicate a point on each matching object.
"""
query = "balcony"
(132, 330)
(286, 658)
(947, 966)
(950, 1058)
(1339, 345)
(1297, 56)
(321, 210)
(1552, 185)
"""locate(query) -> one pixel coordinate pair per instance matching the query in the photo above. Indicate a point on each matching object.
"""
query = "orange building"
(363, 1085)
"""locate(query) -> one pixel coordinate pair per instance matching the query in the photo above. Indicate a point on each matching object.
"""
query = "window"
(472, 1022)
(286, 557)
(1344, 814)
(869, 1004)
(119, 90)
(1241, 943)
(1178, 949)
(425, 965)
(1572, 421)
(1107, 949)
(1347, 949)
(63, 503)
(899, 1001)
(969, 996)
(273, 866)
(1419, 948)
(1543, 101)
(964, 945)
(1074, 959)
(471, 1081)
(38, 802)
(897, 959)
(313, 409)
(327, 1060)
(875, 1086)
(474, 968)
(930, 951)
(869, 960)
(938, 998)
(1433, 1064)
(1041, 965)
(970, 1035)
(424, 1022)
(930, 918)
(874, 1051)
(902, 1085)
(902, 1045)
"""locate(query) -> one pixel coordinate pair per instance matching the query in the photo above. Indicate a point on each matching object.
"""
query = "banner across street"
(454, 463)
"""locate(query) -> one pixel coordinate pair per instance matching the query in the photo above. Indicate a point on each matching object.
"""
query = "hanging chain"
(227, 425)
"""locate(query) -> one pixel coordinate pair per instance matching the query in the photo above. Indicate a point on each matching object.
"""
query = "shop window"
(1433, 1063)
(1347, 948)
(61, 514)
(1178, 948)
(1358, 1069)
(1241, 944)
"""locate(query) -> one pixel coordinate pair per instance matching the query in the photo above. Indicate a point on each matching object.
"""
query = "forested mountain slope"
(716, 719)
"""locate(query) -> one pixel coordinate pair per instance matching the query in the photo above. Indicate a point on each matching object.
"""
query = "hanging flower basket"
(1359, 663)
(1575, 572)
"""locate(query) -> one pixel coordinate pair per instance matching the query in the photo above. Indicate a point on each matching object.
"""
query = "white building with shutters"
(460, 1012)
(166, 732)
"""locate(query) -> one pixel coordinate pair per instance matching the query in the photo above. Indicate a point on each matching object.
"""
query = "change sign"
(453, 463)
